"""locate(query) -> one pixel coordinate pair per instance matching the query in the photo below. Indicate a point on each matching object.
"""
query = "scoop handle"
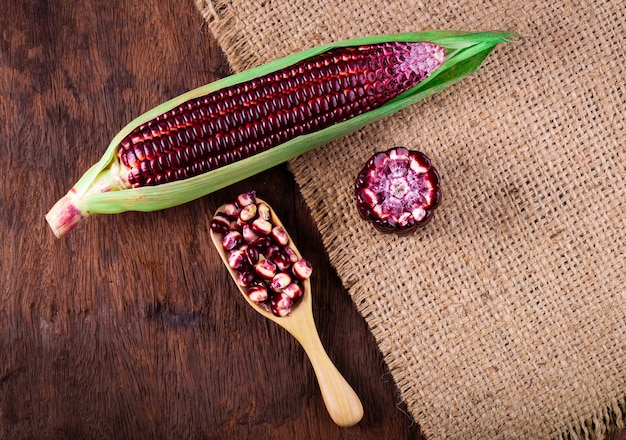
(342, 402)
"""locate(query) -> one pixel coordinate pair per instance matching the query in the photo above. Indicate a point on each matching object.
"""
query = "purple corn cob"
(239, 121)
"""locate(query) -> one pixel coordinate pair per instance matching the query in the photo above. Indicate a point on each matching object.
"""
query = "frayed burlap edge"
(611, 418)
(225, 27)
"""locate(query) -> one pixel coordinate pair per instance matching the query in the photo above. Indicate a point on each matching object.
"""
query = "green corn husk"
(97, 192)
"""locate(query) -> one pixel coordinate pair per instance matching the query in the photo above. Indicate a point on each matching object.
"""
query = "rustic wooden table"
(130, 327)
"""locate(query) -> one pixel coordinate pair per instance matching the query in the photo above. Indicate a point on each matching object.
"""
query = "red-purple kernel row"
(258, 250)
(239, 121)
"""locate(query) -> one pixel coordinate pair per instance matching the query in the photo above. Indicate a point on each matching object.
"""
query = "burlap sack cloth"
(506, 316)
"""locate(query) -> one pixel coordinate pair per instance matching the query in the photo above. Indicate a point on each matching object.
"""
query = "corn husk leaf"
(465, 52)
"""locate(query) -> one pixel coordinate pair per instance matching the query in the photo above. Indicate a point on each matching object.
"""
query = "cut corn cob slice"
(231, 129)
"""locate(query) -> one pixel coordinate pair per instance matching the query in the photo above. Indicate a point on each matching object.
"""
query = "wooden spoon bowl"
(342, 403)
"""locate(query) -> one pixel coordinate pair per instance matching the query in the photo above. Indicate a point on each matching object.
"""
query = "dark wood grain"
(130, 327)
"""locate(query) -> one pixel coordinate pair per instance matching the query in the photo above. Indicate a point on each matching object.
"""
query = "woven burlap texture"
(506, 316)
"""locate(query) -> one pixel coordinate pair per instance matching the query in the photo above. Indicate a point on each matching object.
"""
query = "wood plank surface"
(130, 327)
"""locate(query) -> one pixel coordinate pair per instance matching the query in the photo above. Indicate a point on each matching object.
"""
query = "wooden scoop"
(342, 403)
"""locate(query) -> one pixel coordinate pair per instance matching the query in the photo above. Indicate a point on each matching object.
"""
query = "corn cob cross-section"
(228, 130)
